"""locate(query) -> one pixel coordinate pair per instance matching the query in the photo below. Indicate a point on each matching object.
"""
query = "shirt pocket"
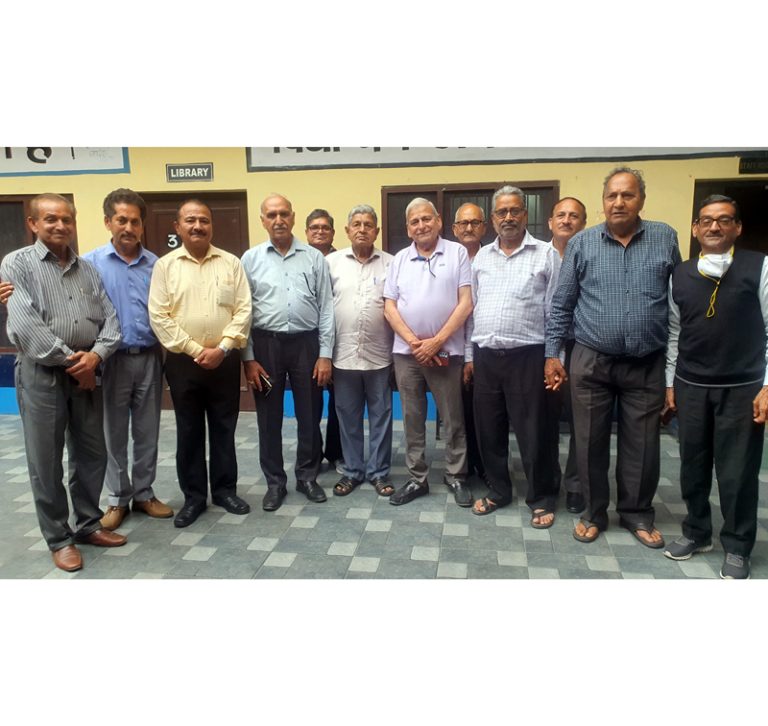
(225, 291)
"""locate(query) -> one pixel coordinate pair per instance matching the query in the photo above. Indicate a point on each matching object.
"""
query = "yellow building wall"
(670, 185)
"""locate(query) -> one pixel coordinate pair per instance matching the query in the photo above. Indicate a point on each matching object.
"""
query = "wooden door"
(230, 232)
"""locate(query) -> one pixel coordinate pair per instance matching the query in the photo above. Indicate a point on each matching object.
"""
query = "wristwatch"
(226, 350)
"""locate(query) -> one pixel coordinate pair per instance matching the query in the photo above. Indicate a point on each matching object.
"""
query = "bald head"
(278, 218)
(469, 227)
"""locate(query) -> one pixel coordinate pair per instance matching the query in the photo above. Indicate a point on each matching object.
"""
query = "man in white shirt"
(362, 355)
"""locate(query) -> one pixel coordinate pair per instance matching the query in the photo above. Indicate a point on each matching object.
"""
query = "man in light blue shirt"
(132, 377)
(293, 334)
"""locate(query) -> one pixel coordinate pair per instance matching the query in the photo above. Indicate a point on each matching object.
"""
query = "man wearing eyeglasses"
(320, 233)
(717, 383)
(293, 335)
(569, 216)
(427, 301)
(469, 229)
(513, 281)
(613, 290)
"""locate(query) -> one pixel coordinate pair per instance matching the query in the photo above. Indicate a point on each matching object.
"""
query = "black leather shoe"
(188, 514)
(273, 499)
(574, 502)
(233, 504)
(462, 494)
(311, 490)
(408, 492)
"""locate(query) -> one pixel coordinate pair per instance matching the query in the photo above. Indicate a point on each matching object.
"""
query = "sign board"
(288, 158)
(56, 160)
(189, 172)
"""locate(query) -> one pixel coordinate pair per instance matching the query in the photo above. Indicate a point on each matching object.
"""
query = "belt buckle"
(134, 350)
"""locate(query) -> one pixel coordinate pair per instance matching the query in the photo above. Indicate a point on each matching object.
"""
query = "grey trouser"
(445, 384)
(636, 387)
(51, 404)
(133, 392)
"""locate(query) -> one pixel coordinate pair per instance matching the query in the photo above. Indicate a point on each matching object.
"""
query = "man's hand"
(253, 373)
(210, 358)
(322, 372)
(670, 399)
(83, 369)
(554, 374)
(469, 373)
(760, 406)
(6, 290)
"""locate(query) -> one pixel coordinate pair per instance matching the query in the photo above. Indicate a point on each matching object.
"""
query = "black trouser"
(474, 460)
(557, 402)
(332, 448)
(636, 385)
(715, 425)
(294, 355)
(509, 388)
(200, 394)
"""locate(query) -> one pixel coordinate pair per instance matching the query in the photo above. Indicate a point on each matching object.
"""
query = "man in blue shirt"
(293, 334)
(132, 377)
(613, 288)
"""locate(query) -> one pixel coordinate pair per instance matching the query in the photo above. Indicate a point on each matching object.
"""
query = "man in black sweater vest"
(717, 383)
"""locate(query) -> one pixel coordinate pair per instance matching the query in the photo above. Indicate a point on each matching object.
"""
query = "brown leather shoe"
(154, 508)
(104, 538)
(68, 558)
(114, 517)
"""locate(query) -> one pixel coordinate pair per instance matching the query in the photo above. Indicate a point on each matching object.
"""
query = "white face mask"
(715, 265)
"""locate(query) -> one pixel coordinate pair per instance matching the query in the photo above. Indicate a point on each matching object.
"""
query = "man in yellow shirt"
(200, 311)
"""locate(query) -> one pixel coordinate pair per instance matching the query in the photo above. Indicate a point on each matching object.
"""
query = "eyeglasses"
(319, 228)
(724, 221)
(513, 211)
(474, 223)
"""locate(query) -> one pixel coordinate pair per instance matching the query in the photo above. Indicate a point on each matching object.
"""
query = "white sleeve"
(674, 336)
(763, 293)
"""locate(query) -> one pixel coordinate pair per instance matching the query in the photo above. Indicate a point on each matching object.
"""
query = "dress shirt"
(54, 310)
(363, 336)
(674, 327)
(196, 304)
(127, 284)
(512, 295)
(427, 291)
(290, 294)
(615, 296)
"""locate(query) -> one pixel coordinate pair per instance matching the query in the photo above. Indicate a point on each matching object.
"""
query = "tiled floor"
(359, 536)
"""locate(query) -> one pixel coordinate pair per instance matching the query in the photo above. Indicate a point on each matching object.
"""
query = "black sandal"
(345, 486)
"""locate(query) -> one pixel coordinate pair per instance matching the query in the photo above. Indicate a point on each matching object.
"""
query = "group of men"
(474, 325)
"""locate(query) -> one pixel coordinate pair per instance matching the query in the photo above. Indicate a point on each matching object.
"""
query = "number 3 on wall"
(173, 241)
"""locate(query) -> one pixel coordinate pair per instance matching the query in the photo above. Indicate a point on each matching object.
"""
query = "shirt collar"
(349, 253)
(414, 253)
(528, 241)
(112, 251)
(42, 252)
(296, 246)
(639, 231)
(211, 252)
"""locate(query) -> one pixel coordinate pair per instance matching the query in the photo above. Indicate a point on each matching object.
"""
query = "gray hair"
(363, 209)
(469, 204)
(420, 202)
(626, 170)
(509, 191)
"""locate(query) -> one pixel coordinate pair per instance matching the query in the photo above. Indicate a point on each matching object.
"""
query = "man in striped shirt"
(513, 281)
(64, 327)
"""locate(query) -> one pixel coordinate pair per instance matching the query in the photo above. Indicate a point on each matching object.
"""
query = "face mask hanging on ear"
(715, 265)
